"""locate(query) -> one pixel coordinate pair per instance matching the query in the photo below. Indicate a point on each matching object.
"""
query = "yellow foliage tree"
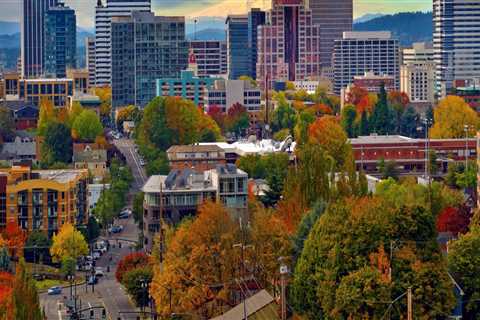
(47, 115)
(451, 116)
(68, 243)
(105, 95)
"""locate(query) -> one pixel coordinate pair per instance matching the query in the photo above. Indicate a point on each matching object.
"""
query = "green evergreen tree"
(363, 125)
(409, 122)
(349, 115)
(383, 117)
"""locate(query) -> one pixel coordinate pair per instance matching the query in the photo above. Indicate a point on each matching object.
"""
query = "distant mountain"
(7, 27)
(208, 34)
(204, 23)
(8, 41)
(367, 17)
(408, 27)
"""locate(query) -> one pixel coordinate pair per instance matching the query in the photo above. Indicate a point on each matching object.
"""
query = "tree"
(253, 165)
(306, 225)
(345, 257)
(409, 122)
(131, 262)
(58, 145)
(25, 302)
(14, 238)
(237, 119)
(363, 125)
(128, 113)
(327, 132)
(46, 115)
(133, 281)
(383, 117)
(451, 115)
(349, 114)
(453, 220)
(160, 165)
(356, 94)
(87, 126)
(216, 113)
(68, 266)
(137, 209)
(200, 265)
(73, 113)
(68, 243)
(464, 263)
(93, 229)
(38, 245)
(284, 116)
(249, 79)
(389, 170)
(7, 124)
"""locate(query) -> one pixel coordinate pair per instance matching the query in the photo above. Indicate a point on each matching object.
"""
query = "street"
(108, 293)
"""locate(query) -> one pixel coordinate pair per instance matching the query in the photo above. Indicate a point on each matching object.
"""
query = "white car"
(99, 272)
(96, 255)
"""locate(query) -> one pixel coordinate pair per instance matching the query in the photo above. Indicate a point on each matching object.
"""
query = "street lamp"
(427, 122)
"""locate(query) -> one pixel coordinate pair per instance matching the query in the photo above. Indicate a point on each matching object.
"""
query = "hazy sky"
(10, 9)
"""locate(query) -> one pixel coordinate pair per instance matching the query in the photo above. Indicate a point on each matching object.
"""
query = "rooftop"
(61, 176)
(261, 304)
(372, 139)
(362, 35)
(195, 148)
(98, 155)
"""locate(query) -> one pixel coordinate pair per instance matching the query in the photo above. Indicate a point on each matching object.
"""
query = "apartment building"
(43, 200)
(210, 56)
(225, 93)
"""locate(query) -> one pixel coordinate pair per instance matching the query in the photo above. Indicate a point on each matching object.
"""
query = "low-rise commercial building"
(196, 157)
(372, 82)
(182, 191)
(43, 200)
(225, 93)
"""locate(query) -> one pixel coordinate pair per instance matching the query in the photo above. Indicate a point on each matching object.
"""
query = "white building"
(226, 93)
(365, 51)
(310, 86)
(456, 39)
(94, 192)
(103, 16)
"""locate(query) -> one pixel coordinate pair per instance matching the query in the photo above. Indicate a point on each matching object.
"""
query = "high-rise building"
(360, 52)
(417, 73)
(256, 17)
(60, 41)
(456, 38)
(33, 36)
(237, 46)
(334, 17)
(90, 60)
(288, 44)
(211, 57)
(145, 47)
(103, 16)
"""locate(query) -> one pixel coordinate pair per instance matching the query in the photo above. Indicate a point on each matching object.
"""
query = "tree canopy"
(68, 243)
(87, 126)
(451, 116)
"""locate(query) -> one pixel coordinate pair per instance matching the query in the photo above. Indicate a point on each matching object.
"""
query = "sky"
(10, 9)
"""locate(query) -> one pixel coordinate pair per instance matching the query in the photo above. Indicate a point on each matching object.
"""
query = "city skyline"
(85, 9)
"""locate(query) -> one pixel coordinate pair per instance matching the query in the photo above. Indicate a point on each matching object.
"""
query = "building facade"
(60, 41)
(43, 200)
(360, 52)
(372, 83)
(187, 86)
(288, 44)
(198, 157)
(225, 93)
(211, 57)
(80, 80)
(56, 90)
(456, 38)
(33, 36)
(103, 16)
(90, 60)
(237, 44)
(182, 191)
(145, 47)
(417, 73)
(334, 18)
(256, 17)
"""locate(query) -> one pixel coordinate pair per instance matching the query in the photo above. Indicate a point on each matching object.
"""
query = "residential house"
(95, 160)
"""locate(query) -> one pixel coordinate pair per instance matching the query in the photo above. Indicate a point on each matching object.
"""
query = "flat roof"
(61, 176)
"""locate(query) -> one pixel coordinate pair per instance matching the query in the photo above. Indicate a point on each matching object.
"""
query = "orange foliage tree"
(356, 94)
(130, 262)
(15, 238)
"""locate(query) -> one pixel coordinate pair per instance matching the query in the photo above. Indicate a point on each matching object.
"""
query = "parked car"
(116, 229)
(54, 291)
(96, 254)
(92, 280)
(124, 214)
(142, 162)
(99, 272)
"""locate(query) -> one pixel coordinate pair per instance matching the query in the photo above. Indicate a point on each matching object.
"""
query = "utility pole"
(409, 304)
(267, 108)
(162, 236)
(283, 276)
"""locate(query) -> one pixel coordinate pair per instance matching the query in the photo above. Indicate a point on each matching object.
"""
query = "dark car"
(54, 291)
(92, 280)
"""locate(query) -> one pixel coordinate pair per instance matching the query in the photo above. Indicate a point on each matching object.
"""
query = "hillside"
(208, 34)
(408, 27)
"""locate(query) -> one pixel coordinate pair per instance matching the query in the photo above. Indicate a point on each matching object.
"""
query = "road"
(127, 148)
(108, 293)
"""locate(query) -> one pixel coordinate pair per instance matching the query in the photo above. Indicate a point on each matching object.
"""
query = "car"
(92, 280)
(116, 229)
(99, 272)
(96, 254)
(124, 214)
(54, 291)
(142, 162)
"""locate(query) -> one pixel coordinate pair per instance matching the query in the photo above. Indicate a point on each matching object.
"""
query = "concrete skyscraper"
(334, 17)
(288, 44)
(33, 35)
(145, 47)
(456, 42)
(60, 41)
(103, 17)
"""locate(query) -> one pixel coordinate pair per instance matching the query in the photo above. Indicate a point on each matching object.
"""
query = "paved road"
(127, 148)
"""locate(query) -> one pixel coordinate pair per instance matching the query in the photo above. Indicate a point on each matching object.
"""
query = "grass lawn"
(48, 283)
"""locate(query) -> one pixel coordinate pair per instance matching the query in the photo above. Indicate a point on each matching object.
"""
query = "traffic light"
(92, 313)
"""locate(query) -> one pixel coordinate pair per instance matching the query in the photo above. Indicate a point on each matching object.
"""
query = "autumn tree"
(7, 124)
(454, 220)
(199, 265)
(128, 113)
(284, 116)
(105, 95)
(356, 94)
(344, 257)
(130, 262)
(14, 238)
(46, 115)
(327, 132)
(451, 116)
(237, 119)
(25, 301)
(216, 113)
(68, 242)
(87, 126)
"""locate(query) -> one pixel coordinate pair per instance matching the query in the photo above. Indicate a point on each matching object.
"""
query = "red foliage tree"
(216, 113)
(131, 262)
(356, 94)
(6, 288)
(398, 98)
(15, 238)
(453, 220)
